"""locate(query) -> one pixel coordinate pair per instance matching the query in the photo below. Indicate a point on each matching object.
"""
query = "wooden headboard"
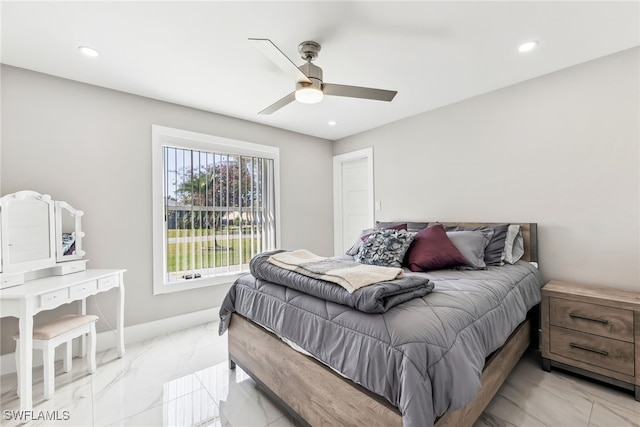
(529, 235)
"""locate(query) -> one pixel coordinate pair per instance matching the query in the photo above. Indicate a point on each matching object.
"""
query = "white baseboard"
(132, 334)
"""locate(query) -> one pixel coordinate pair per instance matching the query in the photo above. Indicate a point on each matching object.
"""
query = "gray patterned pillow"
(385, 247)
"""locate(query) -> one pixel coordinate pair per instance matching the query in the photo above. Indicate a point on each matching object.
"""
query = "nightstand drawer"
(592, 318)
(599, 351)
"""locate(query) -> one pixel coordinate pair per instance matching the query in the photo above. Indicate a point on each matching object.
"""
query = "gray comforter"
(425, 355)
(376, 298)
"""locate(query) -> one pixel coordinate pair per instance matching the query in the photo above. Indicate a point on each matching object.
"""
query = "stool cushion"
(60, 326)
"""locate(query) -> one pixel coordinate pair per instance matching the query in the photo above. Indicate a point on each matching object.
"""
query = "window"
(215, 205)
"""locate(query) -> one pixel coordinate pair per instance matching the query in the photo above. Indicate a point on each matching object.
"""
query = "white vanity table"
(47, 293)
(41, 268)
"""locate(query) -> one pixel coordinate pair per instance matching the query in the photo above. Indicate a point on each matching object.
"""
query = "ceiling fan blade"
(358, 92)
(272, 52)
(279, 104)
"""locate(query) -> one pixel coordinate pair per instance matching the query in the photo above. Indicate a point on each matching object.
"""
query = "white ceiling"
(197, 54)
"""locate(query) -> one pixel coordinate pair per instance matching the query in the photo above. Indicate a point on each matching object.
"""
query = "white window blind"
(219, 212)
(215, 207)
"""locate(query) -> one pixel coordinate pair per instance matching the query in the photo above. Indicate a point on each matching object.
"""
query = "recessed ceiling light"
(88, 51)
(332, 123)
(526, 47)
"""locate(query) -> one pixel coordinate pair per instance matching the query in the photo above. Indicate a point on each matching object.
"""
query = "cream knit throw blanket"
(348, 274)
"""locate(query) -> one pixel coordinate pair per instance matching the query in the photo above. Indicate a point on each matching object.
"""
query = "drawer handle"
(593, 319)
(593, 350)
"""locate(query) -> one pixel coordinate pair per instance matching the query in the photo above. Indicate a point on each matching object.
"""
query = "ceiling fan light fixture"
(309, 93)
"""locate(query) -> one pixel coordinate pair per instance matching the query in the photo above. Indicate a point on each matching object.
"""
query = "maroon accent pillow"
(432, 250)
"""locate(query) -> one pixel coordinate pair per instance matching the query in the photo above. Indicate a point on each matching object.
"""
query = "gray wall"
(561, 150)
(91, 147)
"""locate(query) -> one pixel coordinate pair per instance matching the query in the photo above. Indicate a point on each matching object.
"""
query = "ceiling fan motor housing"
(313, 73)
(309, 92)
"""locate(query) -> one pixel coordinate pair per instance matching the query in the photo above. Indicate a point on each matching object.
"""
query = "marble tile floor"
(182, 379)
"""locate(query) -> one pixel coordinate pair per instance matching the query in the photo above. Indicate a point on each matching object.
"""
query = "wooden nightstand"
(593, 331)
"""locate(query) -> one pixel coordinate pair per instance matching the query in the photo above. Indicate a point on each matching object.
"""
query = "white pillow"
(355, 248)
(513, 245)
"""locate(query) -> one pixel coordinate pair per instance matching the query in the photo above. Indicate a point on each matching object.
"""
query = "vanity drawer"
(83, 289)
(54, 299)
(595, 319)
(599, 351)
(68, 267)
(7, 281)
(108, 282)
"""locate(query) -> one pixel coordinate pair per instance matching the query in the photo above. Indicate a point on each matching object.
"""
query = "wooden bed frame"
(315, 395)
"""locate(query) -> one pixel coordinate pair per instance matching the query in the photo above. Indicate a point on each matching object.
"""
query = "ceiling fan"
(309, 86)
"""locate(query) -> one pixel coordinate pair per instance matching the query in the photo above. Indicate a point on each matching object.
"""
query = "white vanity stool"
(62, 330)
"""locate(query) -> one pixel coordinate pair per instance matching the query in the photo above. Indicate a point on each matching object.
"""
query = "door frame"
(338, 161)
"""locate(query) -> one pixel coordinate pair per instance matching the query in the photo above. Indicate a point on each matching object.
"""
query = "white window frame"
(165, 136)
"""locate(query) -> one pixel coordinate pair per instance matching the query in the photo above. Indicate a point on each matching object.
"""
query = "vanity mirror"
(38, 237)
(27, 232)
(68, 232)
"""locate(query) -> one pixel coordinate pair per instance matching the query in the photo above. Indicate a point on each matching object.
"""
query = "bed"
(434, 360)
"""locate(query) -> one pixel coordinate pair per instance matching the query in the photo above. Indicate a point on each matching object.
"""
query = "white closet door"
(353, 187)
